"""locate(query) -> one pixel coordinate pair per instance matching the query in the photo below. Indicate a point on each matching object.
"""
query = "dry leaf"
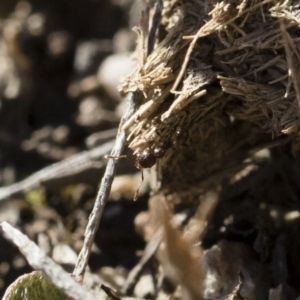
(181, 261)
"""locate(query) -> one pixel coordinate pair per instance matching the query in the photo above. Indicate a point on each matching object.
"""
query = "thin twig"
(144, 25)
(135, 273)
(103, 192)
(38, 259)
(65, 168)
(154, 26)
(186, 60)
(109, 174)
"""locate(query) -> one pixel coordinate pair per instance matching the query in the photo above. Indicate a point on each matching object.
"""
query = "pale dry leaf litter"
(218, 83)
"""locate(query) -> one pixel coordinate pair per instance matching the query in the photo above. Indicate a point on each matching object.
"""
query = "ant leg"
(136, 194)
(115, 157)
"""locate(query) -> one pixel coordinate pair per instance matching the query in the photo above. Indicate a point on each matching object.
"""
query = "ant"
(149, 156)
(147, 159)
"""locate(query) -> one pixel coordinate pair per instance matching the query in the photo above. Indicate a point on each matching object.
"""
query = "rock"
(112, 70)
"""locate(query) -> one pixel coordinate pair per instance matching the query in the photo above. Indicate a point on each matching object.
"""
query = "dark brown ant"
(149, 156)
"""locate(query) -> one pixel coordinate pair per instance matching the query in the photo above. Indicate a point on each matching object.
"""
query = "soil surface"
(60, 62)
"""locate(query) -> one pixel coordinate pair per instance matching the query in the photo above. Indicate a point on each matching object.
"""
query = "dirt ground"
(59, 64)
(44, 121)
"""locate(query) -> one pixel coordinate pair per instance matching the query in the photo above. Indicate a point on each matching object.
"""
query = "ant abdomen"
(146, 159)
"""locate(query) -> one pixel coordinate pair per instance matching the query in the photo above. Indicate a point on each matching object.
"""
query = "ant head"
(181, 135)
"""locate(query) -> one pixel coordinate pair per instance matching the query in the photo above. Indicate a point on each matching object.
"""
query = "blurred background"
(60, 63)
